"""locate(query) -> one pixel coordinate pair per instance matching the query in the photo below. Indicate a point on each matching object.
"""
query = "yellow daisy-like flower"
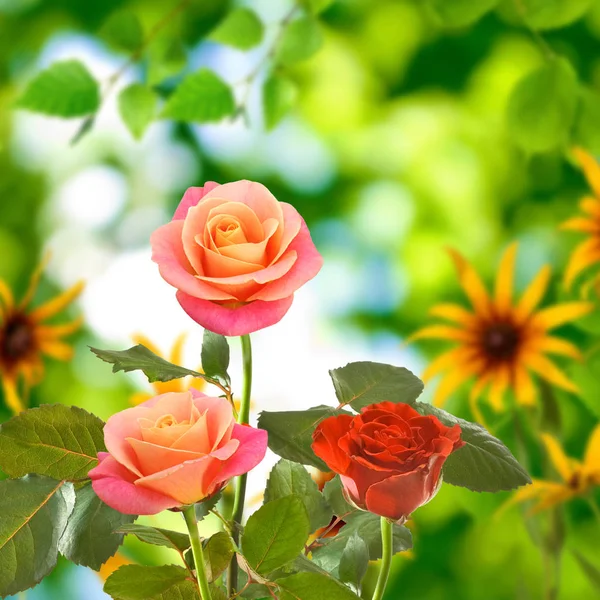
(587, 253)
(25, 338)
(175, 356)
(500, 342)
(578, 478)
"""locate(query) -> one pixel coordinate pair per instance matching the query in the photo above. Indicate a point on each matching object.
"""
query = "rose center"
(166, 421)
(18, 339)
(500, 341)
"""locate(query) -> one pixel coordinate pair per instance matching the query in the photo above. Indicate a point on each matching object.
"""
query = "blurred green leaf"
(166, 58)
(460, 13)
(552, 14)
(587, 120)
(137, 107)
(137, 582)
(218, 552)
(275, 534)
(313, 586)
(157, 536)
(202, 97)
(541, 108)
(215, 356)
(288, 479)
(279, 95)
(89, 538)
(300, 40)
(241, 28)
(316, 6)
(123, 31)
(58, 441)
(591, 571)
(218, 593)
(354, 561)
(34, 516)
(64, 89)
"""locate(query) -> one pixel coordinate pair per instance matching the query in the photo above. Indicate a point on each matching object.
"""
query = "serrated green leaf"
(290, 433)
(552, 14)
(542, 106)
(137, 582)
(215, 356)
(218, 552)
(64, 89)
(166, 58)
(312, 586)
(275, 534)
(279, 95)
(157, 536)
(202, 509)
(360, 384)
(89, 538)
(354, 562)
(137, 107)
(201, 97)
(484, 463)
(316, 7)
(34, 516)
(299, 41)
(123, 30)
(241, 28)
(58, 441)
(289, 479)
(460, 13)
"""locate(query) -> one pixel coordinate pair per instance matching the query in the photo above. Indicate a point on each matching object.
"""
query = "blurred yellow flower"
(587, 253)
(578, 478)
(176, 357)
(500, 342)
(25, 339)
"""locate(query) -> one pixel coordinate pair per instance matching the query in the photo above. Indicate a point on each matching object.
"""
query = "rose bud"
(389, 457)
(236, 256)
(173, 450)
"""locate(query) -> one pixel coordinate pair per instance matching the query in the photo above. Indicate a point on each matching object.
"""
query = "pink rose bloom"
(236, 256)
(175, 449)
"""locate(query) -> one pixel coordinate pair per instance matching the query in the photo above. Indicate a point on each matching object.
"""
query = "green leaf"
(279, 95)
(215, 356)
(58, 441)
(460, 13)
(202, 509)
(360, 384)
(34, 516)
(157, 536)
(290, 433)
(64, 89)
(552, 14)
(123, 31)
(484, 463)
(288, 479)
(335, 498)
(541, 108)
(218, 552)
(354, 561)
(587, 134)
(137, 107)
(312, 586)
(316, 6)
(300, 40)
(241, 28)
(201, 97)
(218, 593)
(591, 571)
(275, 534)
(166, 58)
(89, 538)
(137, 582)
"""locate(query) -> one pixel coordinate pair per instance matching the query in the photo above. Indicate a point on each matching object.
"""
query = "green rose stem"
(240, 489)
(192, 524)
(387, 534)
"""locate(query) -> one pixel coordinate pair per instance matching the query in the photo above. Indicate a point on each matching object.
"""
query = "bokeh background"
(396, 147)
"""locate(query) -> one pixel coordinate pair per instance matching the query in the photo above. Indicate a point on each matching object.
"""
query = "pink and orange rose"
(236, 256)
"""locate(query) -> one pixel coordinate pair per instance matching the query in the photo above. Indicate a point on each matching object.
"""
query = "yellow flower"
(175, 357)
(578, 478)
(500, 342)
(25, 338)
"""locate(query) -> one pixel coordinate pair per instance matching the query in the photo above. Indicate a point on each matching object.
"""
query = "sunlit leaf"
(279, 95)
(241, 28)
(137, 107)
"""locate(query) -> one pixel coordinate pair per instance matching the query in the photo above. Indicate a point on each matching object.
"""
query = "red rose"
(389, 457)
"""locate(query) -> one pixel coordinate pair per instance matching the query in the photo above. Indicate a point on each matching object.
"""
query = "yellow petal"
(592, 453)
(499, 383)
(555, 345)
(548, 318)
(453, 312)
(112, 564)
(57, 304)
(56, 349)
(139, 397)
(474, 396)
(177, 350)
(56, 331)
(504, 280)
(564, 465)
(140, 338)
(533, 294)
(197, 382)
(590, 167)
(452, 358)
(11, 395)
(525, 390)
(581, 224)
(585, 254)
(471, 284)
(546, 369)
(175, 385)
(450, 383)
(538, 489)
(34, 282)
(558, 495)
(6, 297)
(591, 206)
(441, 332)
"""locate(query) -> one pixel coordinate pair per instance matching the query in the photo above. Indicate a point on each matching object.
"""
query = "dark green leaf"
(541, 108)
(123, 30)
(218, 593)
(552, 14)
(58, 441)
(312, 586)
(587, 134)
(64, 89)
(460, 13)
(137, 582)
(275, 534)
(300, 40)
(316, 6)
(89, 538)
(201, 97)
(288, 479)
(203, 508)
(484, 463)
(241, 28)
(137, 107)
(279, 95)
(157, 536)
(335, 498)
(354, 562)
(34, 516)
(360, 384)
(215, 356)
(218, 552)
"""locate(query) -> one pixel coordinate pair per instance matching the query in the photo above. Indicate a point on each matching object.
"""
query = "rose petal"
(326, 440)
(192, 196)
(153, 458)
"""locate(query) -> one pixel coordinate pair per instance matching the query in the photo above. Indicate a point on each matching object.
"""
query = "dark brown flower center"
(500, 341)
(17, 339)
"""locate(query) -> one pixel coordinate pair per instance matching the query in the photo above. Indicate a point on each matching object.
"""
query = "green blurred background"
(396, 146)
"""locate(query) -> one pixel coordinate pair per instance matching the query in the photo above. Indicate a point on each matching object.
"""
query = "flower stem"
(387, 533)
(240, 488)
(192, 524)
